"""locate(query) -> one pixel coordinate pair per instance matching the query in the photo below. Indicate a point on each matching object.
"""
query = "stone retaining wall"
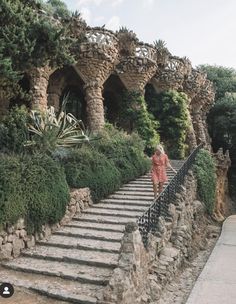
(142, 274)
(13, 239)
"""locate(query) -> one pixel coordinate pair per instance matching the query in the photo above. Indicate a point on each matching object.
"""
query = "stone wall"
(143, 273)
(223, 205)
(14, 238)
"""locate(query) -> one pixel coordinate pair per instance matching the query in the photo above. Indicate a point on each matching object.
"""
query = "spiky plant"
(51, 130)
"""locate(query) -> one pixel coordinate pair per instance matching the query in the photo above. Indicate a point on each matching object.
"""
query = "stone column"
(95, 109)
(38, 86)
(97, 59)
(191, 136)
(223, 207)
(199, 128)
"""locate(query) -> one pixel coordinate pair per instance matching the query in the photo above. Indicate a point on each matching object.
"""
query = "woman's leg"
(161, 185)
(155, 189)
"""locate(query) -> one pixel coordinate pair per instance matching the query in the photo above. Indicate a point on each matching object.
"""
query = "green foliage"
(222, 116)
(52, 130)
(85, 167)
(223, 78)
(136, 118)
(32, 187)
(106, 163)
(14, 131)
(222, 123)
(58, 9)
(126, 151)
(205, 172)
(29, 38)
(170, 109)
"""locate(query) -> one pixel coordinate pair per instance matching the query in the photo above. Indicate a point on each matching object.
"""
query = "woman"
(160, 162)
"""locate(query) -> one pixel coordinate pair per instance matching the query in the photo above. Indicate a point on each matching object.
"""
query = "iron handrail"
(148, 222)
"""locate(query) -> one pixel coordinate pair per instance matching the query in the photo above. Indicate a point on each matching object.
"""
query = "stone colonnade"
(104, 53)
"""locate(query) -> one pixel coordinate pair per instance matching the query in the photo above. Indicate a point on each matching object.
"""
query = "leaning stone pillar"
(95, 109)
(38, 86)
(191, 140)
(199, 127)
(97, 58)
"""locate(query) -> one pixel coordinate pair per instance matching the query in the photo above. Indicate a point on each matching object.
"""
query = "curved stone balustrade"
(99, 43)
(172, 75)
(146, 51)
(136, 70)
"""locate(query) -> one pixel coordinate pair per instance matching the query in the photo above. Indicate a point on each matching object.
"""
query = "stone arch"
(113, 90)
(63, 82)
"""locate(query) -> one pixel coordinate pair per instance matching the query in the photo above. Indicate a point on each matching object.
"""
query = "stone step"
(94, 218)
(137, 189)
(132, 197)
(68, 271)
(61, 241)
(131, 193)
(125, 202)
(122, 207)
(96, 226)
(90, 234)
(109, 212)
(56, 288)
(83, 257)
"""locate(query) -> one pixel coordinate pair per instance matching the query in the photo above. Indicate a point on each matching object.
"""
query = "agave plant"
(51, 130)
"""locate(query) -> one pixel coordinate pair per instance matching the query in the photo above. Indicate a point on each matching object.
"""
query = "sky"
(202, 30)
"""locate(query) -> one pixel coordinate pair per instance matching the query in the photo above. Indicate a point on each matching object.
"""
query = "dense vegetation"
(222, 116)
(34, 187)
(136, 117)
(35, 184)
(170, 109)
(205, 172)
(41, 38)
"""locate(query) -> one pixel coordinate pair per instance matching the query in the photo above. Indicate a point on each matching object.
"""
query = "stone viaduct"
(109, 62)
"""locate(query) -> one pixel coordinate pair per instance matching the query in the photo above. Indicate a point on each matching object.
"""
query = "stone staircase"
(78, 260)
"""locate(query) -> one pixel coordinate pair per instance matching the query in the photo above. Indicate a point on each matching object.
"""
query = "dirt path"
(177, 291)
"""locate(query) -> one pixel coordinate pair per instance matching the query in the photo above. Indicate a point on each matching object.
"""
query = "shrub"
(86, 167)
(125, 150)
(33, 187)
(137, 119)
(170, 109)
(106, 163)
(205, 172)
(13, 130)
(53, 130)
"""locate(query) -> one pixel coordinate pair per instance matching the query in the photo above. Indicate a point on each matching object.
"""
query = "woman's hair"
(160, 148)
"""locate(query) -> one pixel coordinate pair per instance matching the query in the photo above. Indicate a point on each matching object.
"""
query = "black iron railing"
(148, 222)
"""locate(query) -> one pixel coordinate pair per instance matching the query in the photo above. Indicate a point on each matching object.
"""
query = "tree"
(170, 109)
(222, 117)
(224, 79)
(29, 37)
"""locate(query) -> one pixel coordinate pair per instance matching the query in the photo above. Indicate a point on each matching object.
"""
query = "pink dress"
(159, 164)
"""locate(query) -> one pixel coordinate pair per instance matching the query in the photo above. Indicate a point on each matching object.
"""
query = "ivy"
(135, 117)
(205, 173)
(171, 110)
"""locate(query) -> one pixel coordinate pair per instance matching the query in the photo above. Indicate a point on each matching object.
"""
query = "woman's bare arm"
(169, 166)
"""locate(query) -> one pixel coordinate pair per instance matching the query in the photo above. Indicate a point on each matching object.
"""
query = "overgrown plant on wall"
(170, 109)
(136, 118)
(205, 172)
(30, 37)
